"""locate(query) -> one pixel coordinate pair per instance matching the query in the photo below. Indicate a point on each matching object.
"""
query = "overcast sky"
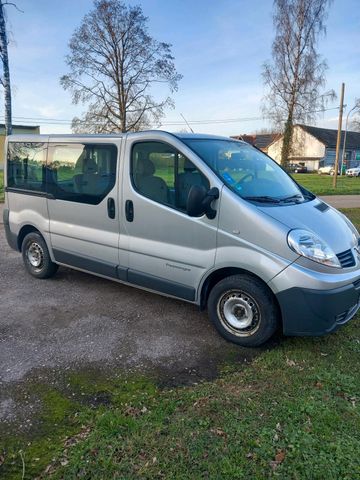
(219, 48)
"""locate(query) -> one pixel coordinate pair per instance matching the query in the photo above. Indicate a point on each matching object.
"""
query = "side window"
(26, 166)
(163, 174)
(82, 173)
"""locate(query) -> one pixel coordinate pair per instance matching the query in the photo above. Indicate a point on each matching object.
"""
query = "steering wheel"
(242, 180)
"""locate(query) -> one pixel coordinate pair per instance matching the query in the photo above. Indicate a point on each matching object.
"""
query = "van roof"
(181, 136)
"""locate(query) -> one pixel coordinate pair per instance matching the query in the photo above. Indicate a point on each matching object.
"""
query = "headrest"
(188, 166)
(145, 167)
(90, 166)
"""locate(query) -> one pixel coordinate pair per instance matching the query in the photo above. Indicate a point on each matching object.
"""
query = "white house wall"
(306, 149)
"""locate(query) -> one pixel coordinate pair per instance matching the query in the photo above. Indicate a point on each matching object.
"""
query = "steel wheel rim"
(239, 313)
(35, 255)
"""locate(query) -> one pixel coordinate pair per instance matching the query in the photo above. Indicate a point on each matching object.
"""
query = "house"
(22, 129)
(315, 147)
(261, 141)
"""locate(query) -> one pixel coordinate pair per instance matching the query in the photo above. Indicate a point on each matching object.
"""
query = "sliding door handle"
(129, 210)
(111, 207)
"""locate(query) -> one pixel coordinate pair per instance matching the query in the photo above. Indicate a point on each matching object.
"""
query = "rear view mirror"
(199, 201)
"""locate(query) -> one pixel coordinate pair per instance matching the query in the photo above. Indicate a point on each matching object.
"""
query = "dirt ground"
(78, 321)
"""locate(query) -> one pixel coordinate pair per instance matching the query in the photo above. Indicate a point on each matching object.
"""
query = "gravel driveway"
(77, 321)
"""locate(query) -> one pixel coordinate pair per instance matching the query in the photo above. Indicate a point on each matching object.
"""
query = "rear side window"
(82, 173)
(26, 168)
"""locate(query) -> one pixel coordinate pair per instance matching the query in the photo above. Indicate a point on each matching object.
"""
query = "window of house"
(26, 166)
(163, 174)
(82, 173)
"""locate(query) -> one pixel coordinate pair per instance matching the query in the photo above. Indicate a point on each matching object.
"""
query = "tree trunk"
(6, 77)
(287, 140)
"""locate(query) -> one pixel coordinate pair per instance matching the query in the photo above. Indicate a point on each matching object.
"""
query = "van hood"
(318, 217)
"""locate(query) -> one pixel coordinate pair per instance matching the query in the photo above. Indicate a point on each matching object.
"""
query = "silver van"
(202, 218)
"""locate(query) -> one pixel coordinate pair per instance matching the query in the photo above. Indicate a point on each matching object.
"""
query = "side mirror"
(199, 201)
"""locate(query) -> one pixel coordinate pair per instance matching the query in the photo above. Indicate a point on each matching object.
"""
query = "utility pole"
(339, 134)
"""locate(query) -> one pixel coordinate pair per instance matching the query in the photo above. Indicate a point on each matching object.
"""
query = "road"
(342, 201)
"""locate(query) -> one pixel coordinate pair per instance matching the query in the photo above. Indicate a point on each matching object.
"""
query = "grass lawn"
(323, 184)
(294, 413)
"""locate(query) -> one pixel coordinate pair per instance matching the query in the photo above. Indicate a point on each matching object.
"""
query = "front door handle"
(129, 210)
(111, 207)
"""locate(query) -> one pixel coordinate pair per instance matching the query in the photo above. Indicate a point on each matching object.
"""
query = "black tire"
(248, 305)
(36, 256)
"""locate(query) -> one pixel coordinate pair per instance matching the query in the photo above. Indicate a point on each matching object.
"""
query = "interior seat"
(88, 181)
(191, 176)
(148, 184)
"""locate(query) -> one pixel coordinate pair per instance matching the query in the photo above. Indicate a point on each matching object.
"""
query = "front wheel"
(243, 310)
(36, 256)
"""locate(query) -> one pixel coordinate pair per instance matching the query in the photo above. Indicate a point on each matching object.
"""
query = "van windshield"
(247, 171)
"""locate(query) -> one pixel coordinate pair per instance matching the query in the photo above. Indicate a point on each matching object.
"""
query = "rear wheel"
(36, 256)
(243, 310)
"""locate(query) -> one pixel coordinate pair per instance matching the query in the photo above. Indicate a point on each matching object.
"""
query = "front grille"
(346, 259)
(357, 284)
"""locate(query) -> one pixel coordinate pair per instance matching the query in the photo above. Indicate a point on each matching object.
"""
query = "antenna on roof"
(187, 123)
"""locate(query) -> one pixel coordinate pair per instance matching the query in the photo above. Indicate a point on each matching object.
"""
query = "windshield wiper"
(291, 198)
(263, 199)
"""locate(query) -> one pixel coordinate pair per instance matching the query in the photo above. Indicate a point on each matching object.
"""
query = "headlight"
(311, 246)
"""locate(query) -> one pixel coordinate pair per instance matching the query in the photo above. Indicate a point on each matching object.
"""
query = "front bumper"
(318, 312)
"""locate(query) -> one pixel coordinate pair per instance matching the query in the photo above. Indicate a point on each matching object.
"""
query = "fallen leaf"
(132, 411)
(218, 432)
(280, 456)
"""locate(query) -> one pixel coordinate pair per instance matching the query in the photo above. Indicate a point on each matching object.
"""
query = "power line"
(66, 122)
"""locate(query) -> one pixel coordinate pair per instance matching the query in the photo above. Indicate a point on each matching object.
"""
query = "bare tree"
(355, 124)
(265, 131)
(114, 64)
(297, 72)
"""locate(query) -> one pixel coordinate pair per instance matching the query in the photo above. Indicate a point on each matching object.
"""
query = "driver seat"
(191, 176)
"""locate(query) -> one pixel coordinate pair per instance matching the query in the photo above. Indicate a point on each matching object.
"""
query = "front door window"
(163, 174)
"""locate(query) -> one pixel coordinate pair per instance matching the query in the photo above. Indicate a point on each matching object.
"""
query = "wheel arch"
(216, 276)
(25, 230)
